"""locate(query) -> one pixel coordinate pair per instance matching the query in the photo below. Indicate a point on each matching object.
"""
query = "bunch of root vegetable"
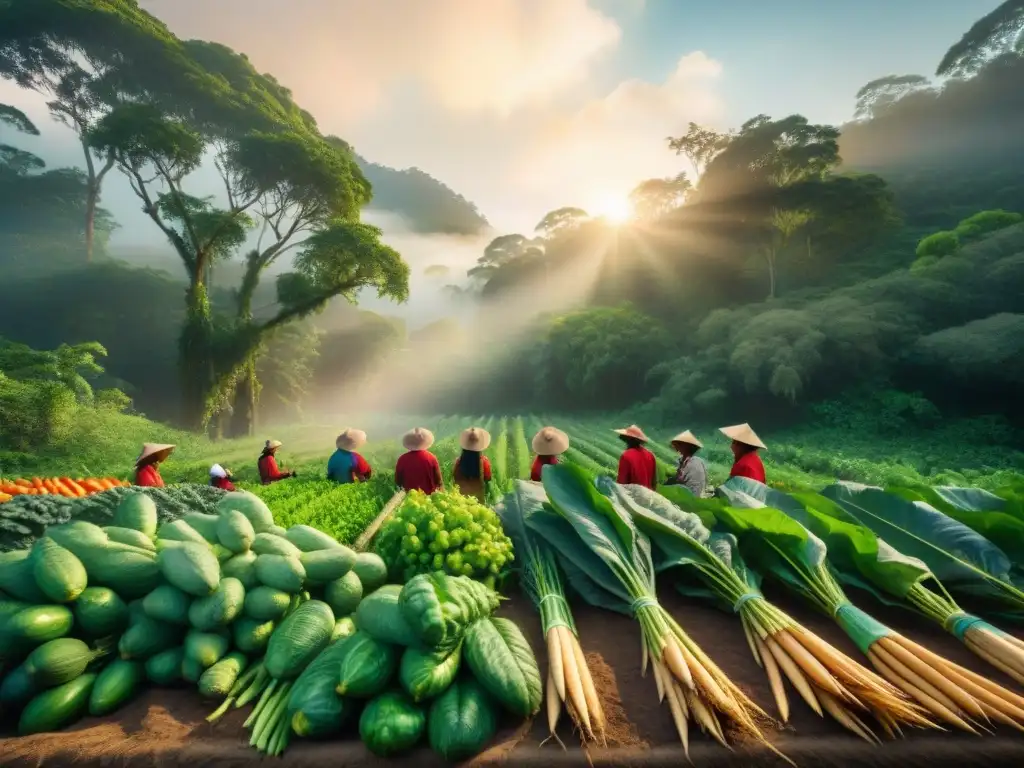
(608, 562)
(569, 681)
(711, 566)
(825, 678)
(947, 693)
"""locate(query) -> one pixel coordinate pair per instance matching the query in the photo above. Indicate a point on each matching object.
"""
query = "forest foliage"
(791, 271)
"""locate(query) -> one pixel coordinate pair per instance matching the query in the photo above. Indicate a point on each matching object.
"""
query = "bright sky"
(524, 106)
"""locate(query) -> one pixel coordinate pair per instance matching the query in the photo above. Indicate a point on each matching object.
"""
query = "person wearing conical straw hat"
(636, 465)
(417, 469)
(147, 466)
(472, 470)
(745, 445)
(267, 464)
(691, 472)
(345, 465)
(548, 444)
(220, 477)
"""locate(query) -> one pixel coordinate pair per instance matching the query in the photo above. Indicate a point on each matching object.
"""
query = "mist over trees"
(794, 271)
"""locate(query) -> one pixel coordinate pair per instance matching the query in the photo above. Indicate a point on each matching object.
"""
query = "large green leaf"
(981, 511)
(776, 544)
(606, 548)
(681, 542)
(964, 561)
(858, 557)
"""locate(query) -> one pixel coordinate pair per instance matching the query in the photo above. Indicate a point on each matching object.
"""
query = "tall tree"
(878, 95)
(999, 32)
(84, 58)
(559, 221)
(699, 145)
(654, 198)
(302, 190)
(761, 162)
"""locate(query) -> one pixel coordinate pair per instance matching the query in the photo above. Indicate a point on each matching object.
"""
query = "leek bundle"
(825, 678)
(608, 562)
(862, 558)
(568, 680)
(781, 547)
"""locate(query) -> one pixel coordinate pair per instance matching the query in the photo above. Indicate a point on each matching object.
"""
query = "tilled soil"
(167, 727)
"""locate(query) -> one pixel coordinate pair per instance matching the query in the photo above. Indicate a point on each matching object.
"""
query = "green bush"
(34, 414)
(985, 222)
(938, 245)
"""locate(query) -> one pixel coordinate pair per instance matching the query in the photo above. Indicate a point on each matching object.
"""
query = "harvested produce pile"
(24, 519)
(290, 621)
(57, 486)
(445, 532)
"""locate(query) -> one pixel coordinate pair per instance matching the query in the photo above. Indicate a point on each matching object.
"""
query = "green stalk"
(268, 694)
(255, 688)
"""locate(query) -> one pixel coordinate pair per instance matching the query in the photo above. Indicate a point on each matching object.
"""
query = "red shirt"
(749, 465)
(223, 483)
(269, 471)
(538, 466)
(637, 467)
(148, 476)
(418, 471)
(485, 469)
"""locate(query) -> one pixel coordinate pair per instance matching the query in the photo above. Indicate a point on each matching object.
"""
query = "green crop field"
(106, 444)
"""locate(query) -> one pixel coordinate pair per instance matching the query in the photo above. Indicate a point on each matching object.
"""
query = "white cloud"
(611, 143)
(344, 58)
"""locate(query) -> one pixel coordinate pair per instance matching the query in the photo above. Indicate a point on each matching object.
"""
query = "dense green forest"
(868, 275)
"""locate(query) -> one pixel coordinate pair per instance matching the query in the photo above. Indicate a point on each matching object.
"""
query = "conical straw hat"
(418, 439)
(687, 437)
(350, 439)
(550, 442)
(475, 439)
(272, 444)
(742, 433)
(632, 431)
(218, 471)
(159, 451)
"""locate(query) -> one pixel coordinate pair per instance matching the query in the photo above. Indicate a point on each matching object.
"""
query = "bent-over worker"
(745, 445)
(417, 469)
(267, 463)
(345, 465)
(147, 466)
(691, 472)
(472, 470)
(548, 444)
(221, 478)
(636, 465)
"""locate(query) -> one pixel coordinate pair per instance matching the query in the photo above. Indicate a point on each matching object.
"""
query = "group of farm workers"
(419, 469)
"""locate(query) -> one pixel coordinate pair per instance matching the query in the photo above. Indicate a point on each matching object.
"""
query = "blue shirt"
(340, 466)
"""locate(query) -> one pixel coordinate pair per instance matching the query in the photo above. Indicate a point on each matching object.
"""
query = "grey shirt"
(692, 472)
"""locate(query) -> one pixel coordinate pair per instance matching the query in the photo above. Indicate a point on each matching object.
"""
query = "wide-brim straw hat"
(418, 439)
(742, 433)
(632, 431)
(350, 439)
(687, 437)
(272, 444)
(475, 439)
(154, 452)
(550, 442)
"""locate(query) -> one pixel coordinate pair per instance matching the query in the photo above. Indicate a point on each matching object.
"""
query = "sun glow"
(617, 210)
